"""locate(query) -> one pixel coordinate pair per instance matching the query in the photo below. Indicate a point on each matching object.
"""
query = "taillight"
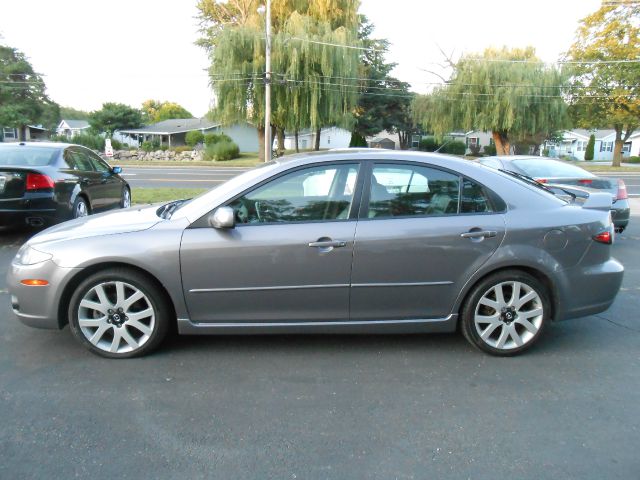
(605, 237)
(622, 190)
(585, 181)
(541, 180)
(37, 181)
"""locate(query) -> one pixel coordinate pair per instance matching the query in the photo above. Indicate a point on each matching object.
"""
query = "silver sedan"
(354, 241)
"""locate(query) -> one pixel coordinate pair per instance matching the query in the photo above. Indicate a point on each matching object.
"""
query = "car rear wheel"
(119, 313)
(125, 201)
(80, 208)
(505, 313)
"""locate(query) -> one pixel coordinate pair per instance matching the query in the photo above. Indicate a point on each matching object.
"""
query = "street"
(408, 406)
(208, 177)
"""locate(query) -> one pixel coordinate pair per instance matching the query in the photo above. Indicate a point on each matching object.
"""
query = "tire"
(80, 208)
(506, 326)
(125, 200)
(106, 319)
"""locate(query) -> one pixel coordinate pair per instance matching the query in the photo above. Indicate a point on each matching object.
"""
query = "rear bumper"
(621, 213)
(589, 290)
(39, 209)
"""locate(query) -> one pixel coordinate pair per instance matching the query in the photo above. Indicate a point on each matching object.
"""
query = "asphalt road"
(208, 177)
(328, 407)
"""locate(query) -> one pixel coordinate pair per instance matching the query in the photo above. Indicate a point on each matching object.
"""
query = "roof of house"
(76, 123)
(381, 140)
(600, 134)
(178, 125)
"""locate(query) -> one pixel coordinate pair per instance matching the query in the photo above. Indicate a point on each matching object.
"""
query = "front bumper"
(38, 306)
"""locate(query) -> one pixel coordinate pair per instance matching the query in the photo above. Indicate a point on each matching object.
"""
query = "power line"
(341, 45)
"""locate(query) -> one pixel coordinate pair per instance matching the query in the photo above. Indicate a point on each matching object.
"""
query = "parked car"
(557, 172)
(46, 183)
(354, 241)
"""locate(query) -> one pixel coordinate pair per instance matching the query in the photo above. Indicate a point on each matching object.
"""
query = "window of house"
(472, 141)
(410, 190)
(606, 147)
(581, 146)
(10, 133)
(626, 148)
(313, 194)
(415, 141)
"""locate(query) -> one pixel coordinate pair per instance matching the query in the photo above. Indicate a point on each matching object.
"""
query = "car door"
(418, 242)
(288, 259)
(88, 179)
(110, 187)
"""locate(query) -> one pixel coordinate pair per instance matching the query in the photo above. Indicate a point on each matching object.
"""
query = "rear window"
(27, 156)
(550, 168)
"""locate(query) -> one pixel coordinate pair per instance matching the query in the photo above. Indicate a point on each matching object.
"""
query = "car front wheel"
(80, 208)
(506, 313)
(125, 201)
(119, 313)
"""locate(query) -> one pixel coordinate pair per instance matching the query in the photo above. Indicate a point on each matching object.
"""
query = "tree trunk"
(280, 133)
(297, 145)
(261, 143)
(503, 147)
(22, 133)
(617, 148)
(404, 140)
(316, 147)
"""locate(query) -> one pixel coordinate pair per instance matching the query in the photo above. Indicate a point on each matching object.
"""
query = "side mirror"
(116, 170)
(222, 217)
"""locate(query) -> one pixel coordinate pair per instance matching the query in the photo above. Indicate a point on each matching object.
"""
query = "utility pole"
(267, 88)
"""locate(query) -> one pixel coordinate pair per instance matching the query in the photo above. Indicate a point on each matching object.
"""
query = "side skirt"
(435, 325)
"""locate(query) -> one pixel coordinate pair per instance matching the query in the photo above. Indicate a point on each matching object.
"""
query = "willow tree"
(605, 72)
(508, 92)
(311, 70)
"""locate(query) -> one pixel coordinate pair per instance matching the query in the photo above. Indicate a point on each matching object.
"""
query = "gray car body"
(405, 274)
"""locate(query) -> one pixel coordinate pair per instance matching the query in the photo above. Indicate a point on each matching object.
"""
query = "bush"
(546, 152)
(182, 148)
(631, 160)
(475, 150)
(194, 138)
(588, 154)
(92, 141)
(454, 148)
(429, 144)
(147, 147)
(117, 145)
(357, 140)
(489, 150)
(213, 138)
(221, 150)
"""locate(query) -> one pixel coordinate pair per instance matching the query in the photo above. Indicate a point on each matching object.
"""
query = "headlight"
(28, 255)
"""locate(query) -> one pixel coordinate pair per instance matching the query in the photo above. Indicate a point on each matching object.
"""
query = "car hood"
(120, 221)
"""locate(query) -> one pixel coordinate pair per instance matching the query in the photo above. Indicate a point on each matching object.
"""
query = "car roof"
(511, 158)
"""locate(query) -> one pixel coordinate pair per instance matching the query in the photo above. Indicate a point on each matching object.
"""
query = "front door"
(288, 259)
(418, 241)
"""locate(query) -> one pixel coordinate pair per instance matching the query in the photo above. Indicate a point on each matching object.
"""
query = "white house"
(574, 144)
(471, 139)
(330, 137)
(69, 128)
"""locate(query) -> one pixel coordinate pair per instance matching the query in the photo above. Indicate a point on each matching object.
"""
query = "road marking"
(128, 174)
(3, 291)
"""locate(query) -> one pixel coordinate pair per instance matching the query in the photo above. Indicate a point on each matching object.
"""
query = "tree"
(510, 93)
(69, 113)
(115, 116)
(605, 86)
(23, 98)
(385, 102)
(156, 111)
(588, 154)
(312, 82)
(194, 137)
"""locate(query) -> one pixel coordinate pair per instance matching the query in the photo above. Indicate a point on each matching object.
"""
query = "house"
(330, 137)
(472, 139)
(382, 142)
(69, 128)
(574, 144)
(32, 133)
(172, 133)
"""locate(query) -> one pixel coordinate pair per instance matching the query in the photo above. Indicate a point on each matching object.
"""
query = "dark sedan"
(46, 183)
(555, 172)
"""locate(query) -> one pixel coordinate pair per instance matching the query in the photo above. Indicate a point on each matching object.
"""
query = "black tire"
(162, 311)
(123, 202)
(472, 303)
(78, 204)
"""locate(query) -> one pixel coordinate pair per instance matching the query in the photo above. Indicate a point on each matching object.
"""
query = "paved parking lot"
(330, 407)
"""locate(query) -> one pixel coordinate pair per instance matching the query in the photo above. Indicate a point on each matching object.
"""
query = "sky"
(128, 51)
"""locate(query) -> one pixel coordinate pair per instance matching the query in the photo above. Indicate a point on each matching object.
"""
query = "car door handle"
(328, 244)
(479, 234)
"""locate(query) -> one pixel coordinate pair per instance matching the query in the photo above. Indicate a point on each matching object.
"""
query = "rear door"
(89, 180)
(288, 259)
(110, 184)
(422, 233)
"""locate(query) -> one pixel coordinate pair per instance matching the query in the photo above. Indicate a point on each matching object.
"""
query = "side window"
(309, 195)
(410, 190)
(81, 161)
(475, 198)
(98, 164)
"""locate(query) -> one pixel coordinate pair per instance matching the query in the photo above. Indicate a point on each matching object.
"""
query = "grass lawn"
(155, 195)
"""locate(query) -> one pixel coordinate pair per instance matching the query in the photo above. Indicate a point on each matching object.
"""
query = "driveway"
(325, 407)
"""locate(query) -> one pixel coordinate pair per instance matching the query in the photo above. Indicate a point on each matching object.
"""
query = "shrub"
(221, 150)
(117, 145)
(489, 150)
(147, 147)
(194, 138)
(213, 138)
(475, 150)
(546, 152)
(429, 144)
(588, 154)
(92, 141)
(163, 148)
(182, 148)
(357, 140)
(454, 148)
(632, 160)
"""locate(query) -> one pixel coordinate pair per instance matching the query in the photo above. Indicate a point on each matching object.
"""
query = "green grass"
(155, 195)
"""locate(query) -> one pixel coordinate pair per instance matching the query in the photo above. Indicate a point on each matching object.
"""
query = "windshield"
(27, 156)
(541, 168)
